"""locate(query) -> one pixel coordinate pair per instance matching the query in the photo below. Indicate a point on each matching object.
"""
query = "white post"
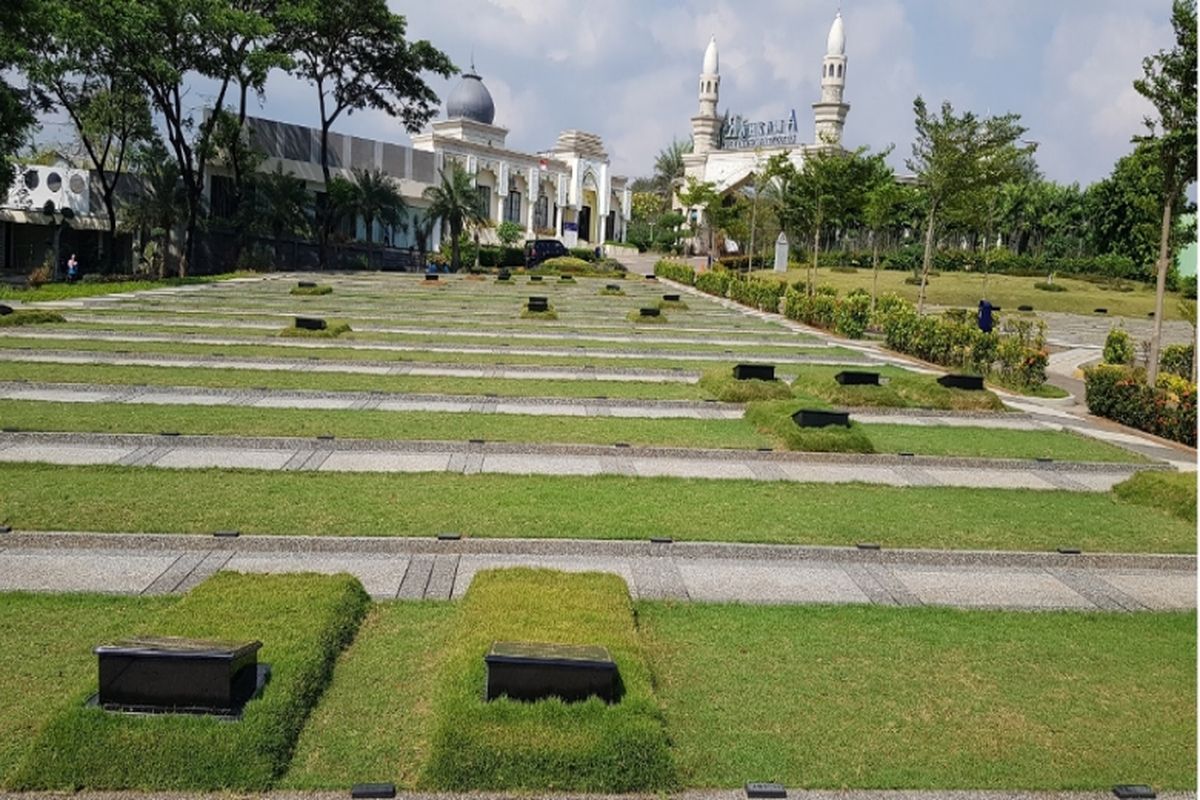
(781, 253)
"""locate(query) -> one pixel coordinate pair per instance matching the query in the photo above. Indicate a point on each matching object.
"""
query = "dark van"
(537, 251)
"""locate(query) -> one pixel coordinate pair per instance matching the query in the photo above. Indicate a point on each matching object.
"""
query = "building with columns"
(728, 150)
(566, 192)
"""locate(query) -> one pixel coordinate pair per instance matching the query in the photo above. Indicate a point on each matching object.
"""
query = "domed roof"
(836, 44)
(710, 58)
(471, 100)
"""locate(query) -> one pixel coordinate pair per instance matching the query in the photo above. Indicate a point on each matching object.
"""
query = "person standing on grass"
(72, 269)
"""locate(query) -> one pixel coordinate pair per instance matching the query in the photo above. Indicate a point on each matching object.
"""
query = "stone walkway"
(429, 569)
(357, 455)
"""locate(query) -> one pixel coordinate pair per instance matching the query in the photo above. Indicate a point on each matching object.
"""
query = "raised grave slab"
(535, 671)
(756, 372)
(972, 383)
(159, 674)
(816, 418)
(851, 377)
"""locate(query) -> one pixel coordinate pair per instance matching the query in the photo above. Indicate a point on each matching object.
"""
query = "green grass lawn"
(964, 289)
(374, 721)
(903, 389)
(216, 377)
(30, 316)
(1173, 492)
(506, 744)
(303, 622)
(881, 698)
(46, 646)
(54, 497)
(71, 291)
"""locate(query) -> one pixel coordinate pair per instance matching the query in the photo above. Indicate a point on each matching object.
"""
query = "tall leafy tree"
(954, 156)
(354, 52)
(18, 27)
(881, 211)
(234, 149)
(455, 202)
(1169, 82)
(157, 208)
(701, 199)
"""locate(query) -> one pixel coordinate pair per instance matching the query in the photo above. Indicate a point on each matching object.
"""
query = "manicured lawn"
(53, 497)
(70, 291)
(303, 622)
(425, 425)
(903, 389)
(1173, 492)
(964, 289)
(46, 646)
(342, 382)
(374, 721)
(566, 747)
(879, 698)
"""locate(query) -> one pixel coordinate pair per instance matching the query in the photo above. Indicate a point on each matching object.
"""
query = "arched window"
(839, 70)
(824, 70)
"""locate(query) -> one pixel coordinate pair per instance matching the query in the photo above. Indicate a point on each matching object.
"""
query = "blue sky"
(627, 69)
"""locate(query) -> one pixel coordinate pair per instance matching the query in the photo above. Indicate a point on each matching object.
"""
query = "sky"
(628, 69)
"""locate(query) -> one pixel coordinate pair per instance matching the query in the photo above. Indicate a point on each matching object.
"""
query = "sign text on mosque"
(740, 133)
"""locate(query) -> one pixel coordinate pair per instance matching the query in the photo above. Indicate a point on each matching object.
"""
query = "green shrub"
(853, 314)
(775, 418)
(563, 265)
(311, 291)
(1177, 359)
(759, 294)
(673, 270)
(720, 383)
(1046, 286)
(547, 746)
(1120, 393)
(607, 292)
(30, 316)
(635, 315)
(1173, 492)
(333, 329)
(585, 254)
(509, 232)
(303, 621)
(1118, 347)
(715, 282)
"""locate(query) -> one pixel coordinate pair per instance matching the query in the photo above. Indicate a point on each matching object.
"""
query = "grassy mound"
(311, 291)
(548, 745)
(1173, 492)
(904, 389)
(333, 329)
(721, 384)
(677, 305)
(606, 292)
(776, 418)
(30, 316)
(303, 622)
(549, 314)
(636, 316)
(1049, 287)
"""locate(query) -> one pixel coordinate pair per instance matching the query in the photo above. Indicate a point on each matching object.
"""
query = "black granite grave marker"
(538, 304)
(535, 671)
(431, 276)
(671, 298)
(310, 323)
(765, 790)
(175, 674)
(5, 310)
(816, 418)
(755, 372)
(374, 791)
(1101, 311)
(1133, 791)
(612, 287)
(851, 377)
(535, 278)
(973, 383)
(1024, 308)
(307, 284)
(649, 312)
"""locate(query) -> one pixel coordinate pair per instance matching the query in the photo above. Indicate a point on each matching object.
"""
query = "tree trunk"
(455, 232)
(1164, 255)
(874, 270)
(812, 270)
(928, 258)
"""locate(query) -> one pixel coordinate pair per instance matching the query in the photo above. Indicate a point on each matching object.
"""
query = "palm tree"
(377, 197)
(456, 203)
(282, 207)
(668, 166)
(159, 205)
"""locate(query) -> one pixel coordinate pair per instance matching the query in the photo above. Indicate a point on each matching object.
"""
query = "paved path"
(414, 569)
(285, 343)
(382, 456)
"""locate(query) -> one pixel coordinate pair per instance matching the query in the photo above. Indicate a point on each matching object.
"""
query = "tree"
(455, 202)
(17, 28)
(377, 197)
(701, 197)
(1169, 82)
(155, 211)
(355, 54)
(957, 155)
(509, 232)
(668, 166)
(884, 199)
(282, 202)
(234, 150)
(1123, 208)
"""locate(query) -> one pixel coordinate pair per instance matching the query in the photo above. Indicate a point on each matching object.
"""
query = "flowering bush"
(1121, 393)
(1118, 347)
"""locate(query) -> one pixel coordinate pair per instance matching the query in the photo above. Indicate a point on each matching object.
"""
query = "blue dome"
(471, 100)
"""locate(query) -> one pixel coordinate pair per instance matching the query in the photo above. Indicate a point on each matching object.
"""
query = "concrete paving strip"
(426, 568)
(509, 372)
(362, 455)
(386, 347)
(266, 398)
(700, 794)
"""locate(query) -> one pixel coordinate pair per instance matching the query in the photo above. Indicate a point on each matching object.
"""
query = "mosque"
(728, 151)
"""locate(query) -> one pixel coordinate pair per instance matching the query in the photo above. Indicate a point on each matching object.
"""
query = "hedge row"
(673, 270)
(848, 316)
(1121, 393)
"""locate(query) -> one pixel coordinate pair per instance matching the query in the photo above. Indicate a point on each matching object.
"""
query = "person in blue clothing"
(72, 269)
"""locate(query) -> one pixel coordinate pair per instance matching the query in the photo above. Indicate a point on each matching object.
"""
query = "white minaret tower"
(705, 125)
(830, 112)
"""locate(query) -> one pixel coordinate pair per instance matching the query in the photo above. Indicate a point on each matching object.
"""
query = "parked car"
(537, 251)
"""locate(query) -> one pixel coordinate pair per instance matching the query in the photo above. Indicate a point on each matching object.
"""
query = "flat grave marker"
(852, 377)
(754, 372)
(971, 383)
(535, 671)
(818, 418)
